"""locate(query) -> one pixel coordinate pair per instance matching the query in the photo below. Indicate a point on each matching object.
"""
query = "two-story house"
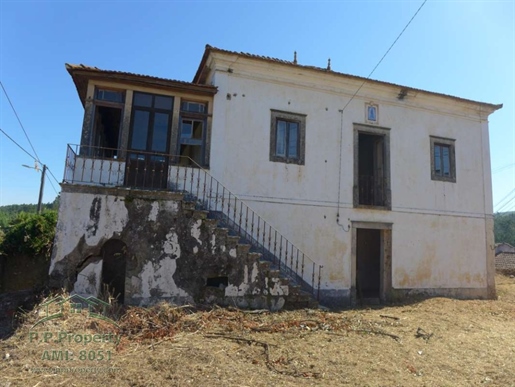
(263, 177)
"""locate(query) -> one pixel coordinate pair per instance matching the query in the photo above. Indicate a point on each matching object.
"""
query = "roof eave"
(78, 74)
(209, 49)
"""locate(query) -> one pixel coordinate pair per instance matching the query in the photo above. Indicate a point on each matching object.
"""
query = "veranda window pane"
(186, 128)
(160, 133)
(144, 100)
(163, 102)
(140, 130)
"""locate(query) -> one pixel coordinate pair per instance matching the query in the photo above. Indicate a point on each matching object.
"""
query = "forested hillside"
(504, 227)
(8, 213)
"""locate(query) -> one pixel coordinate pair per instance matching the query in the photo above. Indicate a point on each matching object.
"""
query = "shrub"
(31, 234)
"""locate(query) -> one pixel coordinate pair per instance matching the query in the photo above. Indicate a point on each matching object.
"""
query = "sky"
(461, 48)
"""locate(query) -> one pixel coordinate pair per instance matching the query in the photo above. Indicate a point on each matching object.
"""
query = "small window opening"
(106, 131)
(217, 282)
(371, 171)
(110, 95)
(192, 133)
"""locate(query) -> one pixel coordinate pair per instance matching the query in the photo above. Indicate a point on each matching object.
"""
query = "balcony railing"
(86, 165)
(371, 190)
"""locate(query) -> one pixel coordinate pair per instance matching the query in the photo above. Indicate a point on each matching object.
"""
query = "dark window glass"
(144, 100)
(140, 130)
(287, 139)
(109, 95)
(198, 129)
(160, 132)
(163, 102)
(446, 161)
(438, 164)
(292, 139)
(194, 107)
(186, 128)
(280, 149)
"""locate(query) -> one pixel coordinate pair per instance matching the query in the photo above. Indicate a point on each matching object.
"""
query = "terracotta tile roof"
(209, 49)
(82, 73)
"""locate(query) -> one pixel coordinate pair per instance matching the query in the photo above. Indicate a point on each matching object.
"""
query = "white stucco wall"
(439, 229)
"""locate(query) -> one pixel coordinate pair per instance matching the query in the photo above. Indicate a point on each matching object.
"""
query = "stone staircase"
(248, 254)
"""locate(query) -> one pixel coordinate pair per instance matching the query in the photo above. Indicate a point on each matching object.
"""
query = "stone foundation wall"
(169, 251)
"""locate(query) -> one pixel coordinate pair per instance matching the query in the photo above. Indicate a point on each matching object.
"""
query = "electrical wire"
(505, 204)
(500, 169)
(18, 145)
(27, 152)
(504, 198)
(354, 95)
(19, 121)
(384, 56)
(36, 157)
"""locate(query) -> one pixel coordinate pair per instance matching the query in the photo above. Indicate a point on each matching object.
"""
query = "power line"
(386, 53)
(48, 169)
(19, 121)
(504, 198)
(19, 146)
(499, 169)
(52, 184)
(356, 93)
(27, 152)
(36, 158)
(505, 204)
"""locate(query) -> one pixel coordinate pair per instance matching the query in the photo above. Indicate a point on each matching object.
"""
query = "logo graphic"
(96, 308)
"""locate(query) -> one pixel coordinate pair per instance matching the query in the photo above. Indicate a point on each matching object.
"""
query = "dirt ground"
(435, 342)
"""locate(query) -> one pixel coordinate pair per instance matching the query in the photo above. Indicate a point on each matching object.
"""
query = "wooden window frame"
(300, 120)
(446, 142)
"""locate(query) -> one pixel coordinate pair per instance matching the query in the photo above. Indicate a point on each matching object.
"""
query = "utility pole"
(41, 186)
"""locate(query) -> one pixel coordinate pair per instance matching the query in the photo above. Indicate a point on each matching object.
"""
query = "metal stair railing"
(90, 165)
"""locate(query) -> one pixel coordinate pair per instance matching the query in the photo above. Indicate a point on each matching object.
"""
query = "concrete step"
(256, 257)
(242, 250)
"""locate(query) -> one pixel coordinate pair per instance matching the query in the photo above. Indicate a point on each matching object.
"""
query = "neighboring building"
(505, 261)
(504, 256)
(504, 248)
(378, 195)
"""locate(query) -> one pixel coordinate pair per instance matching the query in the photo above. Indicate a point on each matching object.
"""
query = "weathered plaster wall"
(441, 230)
(171, 250)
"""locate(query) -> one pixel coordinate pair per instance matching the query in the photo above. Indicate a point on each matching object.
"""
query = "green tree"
(504, 228)
(31, 234)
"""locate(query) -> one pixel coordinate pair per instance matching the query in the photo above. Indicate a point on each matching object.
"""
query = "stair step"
(211, 223)
(254, 256)
(188, 205)
(232, 239)
(200, 214)
(264, 265)
(243, 249)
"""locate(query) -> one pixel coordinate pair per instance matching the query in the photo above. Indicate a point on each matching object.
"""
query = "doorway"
(149, 143)
(368, 263)
(372, 167)
(371, 262)
(114, 254)
(106, 131)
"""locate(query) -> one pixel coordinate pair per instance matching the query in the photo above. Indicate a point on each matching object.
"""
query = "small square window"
(287, 137)
(109, 95)
(443, 160)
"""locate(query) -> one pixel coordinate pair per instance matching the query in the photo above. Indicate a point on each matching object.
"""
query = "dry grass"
(436, 342)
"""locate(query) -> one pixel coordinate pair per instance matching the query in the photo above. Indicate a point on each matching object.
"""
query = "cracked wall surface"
(171, 251)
